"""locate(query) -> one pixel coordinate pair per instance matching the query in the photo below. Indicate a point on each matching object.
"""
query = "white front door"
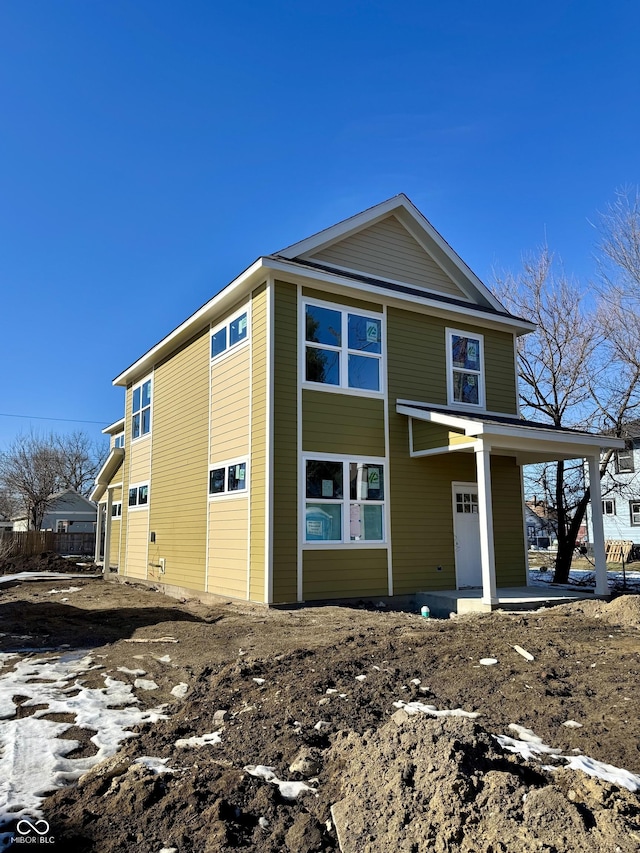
(466, 533)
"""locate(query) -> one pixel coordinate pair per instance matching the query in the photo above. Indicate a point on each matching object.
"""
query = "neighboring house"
(5, 523)
(541, 523)
(340, 421)
(67, 512)
(621, 490)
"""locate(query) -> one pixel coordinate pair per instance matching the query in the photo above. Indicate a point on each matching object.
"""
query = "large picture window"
(229, 334)
(228, 478)
(343, 348)
(141, 409)
(344, 501)
(465, 368)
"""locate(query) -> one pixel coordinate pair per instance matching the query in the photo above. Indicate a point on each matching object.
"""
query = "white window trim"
(117, 516)
(465, 333)
(343, 349)
(605, 502)
(345, 501)
(145, 435)
(119, 435)
(237, 493)
(226, 324)
(137, 507)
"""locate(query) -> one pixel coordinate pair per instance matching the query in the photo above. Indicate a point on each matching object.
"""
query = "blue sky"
(151, 150)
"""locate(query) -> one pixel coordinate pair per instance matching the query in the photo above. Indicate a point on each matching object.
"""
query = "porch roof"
(106, 473)
(528, 441)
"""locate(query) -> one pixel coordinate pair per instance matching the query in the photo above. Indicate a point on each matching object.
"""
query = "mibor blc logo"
(33, 832)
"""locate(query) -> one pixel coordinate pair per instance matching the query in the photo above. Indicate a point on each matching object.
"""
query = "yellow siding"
(349, 573)
(258, 466)
(228, 546)
(140, 457)
(116, 523)
(388, 250)
(285, 494)
(230, 387)
(124, 470)
(138, 534)
(178, 493)
(508, 522)
(342, 423)
(500, 372)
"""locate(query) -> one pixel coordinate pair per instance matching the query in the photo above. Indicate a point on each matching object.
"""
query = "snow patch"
(212, 738)
(180, 690)
(288, 790)
(421, 708)
(158, 765)
(128, 671)
(145, 684)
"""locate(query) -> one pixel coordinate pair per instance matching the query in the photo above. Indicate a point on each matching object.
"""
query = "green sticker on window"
(374, 478)
(372, 331)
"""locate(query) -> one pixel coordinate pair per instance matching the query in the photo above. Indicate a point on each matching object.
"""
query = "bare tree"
(80, 459)
(574, 372)
(35, 468)
(29, 471)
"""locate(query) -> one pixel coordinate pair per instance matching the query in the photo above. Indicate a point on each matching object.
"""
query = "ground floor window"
(228, 478)
(139, 496)
(634, 511)
(116, 509)
(344, 501)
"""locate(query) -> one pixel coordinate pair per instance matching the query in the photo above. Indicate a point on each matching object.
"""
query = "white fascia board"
(115, 427)
(111, 465)
(528, 435)
(216, 305)
(438, 418)
(303, 276)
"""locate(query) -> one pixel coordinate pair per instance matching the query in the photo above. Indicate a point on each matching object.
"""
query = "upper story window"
(118, 440)
(141, 409)
(465, 368)
(229, 334)
(624, 459)
(343, 347)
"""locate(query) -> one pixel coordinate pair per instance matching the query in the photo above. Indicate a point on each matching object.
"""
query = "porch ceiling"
(528, 441)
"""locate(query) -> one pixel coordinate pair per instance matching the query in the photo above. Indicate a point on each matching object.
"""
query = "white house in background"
(68, 512)
(621, 490)
(5, 523)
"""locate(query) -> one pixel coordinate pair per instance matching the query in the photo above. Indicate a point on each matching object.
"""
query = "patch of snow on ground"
(212, 738)
(145, 684)
(128, 671)
(531, 746)
(158, 765)
(288, 790)
(180, 690)
(33, 754)
(421, 708)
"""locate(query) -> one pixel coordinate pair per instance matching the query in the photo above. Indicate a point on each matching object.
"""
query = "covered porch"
(435, 431)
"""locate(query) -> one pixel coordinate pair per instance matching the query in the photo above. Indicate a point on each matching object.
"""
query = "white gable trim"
(468, 281)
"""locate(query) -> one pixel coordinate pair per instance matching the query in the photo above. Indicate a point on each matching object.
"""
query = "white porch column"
(107, 531)
(485, 511)
(602, 587)
(98, 553)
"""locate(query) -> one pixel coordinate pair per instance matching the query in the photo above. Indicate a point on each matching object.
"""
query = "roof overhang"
(105, 475)
(528, 441)
(114, 428)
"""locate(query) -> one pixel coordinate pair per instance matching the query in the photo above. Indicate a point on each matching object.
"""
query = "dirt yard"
(323, 696)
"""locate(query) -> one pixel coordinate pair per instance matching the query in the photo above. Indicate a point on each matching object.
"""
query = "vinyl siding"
(339, 299)
(178, 491)
(344, 574)
(116, 524)
(342, 423)
(285, 443)
(427, 436)
(228, 546)
(508, 522)
(387, 250)
(140, 460)
(258, 462)
(138, 534)
(230, 406)
(418, 342)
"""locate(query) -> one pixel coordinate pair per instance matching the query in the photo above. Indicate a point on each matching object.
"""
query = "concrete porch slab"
(460, 601)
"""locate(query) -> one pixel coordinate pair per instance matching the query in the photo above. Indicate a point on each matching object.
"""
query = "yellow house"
(340, 421)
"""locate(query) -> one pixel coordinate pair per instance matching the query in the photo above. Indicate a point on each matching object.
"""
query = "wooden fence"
(32, 542)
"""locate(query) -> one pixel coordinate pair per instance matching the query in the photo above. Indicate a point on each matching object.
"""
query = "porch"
(461, 601)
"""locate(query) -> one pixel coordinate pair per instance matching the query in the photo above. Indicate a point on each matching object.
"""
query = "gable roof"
(455, 288)
(377, 237)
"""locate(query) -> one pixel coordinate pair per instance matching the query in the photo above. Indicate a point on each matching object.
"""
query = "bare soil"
(290, 684)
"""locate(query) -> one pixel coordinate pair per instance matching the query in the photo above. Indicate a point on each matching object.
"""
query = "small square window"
(634, 511)
(608, 507)
(216, 481)
(237, 477)
(238, 329)
(218, 342)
